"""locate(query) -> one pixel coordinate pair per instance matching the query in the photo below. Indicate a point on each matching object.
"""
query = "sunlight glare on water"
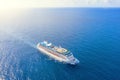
(11, 15)
(92, 37)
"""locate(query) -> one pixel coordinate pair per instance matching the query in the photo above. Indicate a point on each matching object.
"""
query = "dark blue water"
(93, 35)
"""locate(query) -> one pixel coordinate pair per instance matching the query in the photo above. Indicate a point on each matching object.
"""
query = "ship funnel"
(49, 44)
(45, 42)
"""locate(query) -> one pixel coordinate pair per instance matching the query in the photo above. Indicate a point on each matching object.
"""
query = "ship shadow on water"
(72, 66)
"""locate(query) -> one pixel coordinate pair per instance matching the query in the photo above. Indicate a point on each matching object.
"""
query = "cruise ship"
(57, 53)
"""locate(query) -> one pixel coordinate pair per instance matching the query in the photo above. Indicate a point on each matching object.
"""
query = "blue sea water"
(92, 34)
